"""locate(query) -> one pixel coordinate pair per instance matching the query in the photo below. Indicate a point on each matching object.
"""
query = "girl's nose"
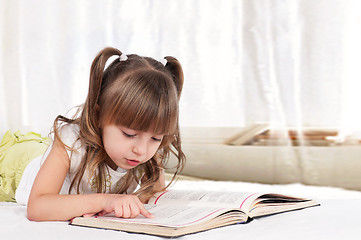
(140, 147)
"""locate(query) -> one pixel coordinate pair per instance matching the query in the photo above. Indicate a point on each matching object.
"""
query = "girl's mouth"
(133, 162)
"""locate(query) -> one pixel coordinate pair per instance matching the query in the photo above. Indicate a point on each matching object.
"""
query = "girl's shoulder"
(69, 130)
(69, 133)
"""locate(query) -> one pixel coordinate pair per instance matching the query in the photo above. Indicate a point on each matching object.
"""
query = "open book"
(178, 212)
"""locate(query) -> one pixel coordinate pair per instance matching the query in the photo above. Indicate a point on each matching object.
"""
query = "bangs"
(142, 101)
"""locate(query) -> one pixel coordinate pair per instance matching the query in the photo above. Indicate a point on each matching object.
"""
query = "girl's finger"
(142, 209)
(118, 212)
(145, 212)
(87, 215)
(134, 210)
(126, 211)
(103, 213)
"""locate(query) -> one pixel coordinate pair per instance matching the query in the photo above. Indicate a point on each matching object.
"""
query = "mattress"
(338, 217)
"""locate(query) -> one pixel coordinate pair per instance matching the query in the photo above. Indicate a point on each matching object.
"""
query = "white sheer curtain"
(300, 62)
(289, 62)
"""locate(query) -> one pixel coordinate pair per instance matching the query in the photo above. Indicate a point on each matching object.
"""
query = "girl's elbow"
(31, 216)
(33, 213)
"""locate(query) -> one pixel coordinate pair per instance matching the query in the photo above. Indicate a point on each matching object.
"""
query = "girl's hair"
(139, 93)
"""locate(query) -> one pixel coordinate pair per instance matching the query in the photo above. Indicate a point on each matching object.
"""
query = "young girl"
(111, 156)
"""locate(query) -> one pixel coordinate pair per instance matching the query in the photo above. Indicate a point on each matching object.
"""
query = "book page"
(203, 198)
(267, 209)
(172, 216)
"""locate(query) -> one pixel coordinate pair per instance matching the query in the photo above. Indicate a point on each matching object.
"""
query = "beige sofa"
(209, 158)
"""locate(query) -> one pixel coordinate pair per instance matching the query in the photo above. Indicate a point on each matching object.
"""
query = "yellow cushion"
(16, 151)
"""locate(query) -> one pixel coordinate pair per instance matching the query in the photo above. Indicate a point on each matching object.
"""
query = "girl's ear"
(176, 70)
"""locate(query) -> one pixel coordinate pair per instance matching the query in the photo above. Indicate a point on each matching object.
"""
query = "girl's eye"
(129, 135)
(157, 139)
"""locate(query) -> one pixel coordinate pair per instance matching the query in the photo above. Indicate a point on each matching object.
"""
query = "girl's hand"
(122, 205)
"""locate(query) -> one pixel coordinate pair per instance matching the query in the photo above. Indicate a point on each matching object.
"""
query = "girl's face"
(128, 148)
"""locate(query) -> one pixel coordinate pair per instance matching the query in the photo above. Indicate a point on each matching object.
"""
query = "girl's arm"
(45, 202)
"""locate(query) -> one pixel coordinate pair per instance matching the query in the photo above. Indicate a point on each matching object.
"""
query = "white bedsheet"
(338, 217)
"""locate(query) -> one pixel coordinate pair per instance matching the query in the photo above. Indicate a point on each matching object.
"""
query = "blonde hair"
(139, 93)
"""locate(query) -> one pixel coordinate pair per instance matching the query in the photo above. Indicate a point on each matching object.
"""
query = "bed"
(338, 217)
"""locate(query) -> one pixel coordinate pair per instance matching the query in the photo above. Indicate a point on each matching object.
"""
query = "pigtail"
(89, 124)
(174, 67)
(90, 117)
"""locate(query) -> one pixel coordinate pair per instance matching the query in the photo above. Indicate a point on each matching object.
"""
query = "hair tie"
(163, 61)
(123, 57)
